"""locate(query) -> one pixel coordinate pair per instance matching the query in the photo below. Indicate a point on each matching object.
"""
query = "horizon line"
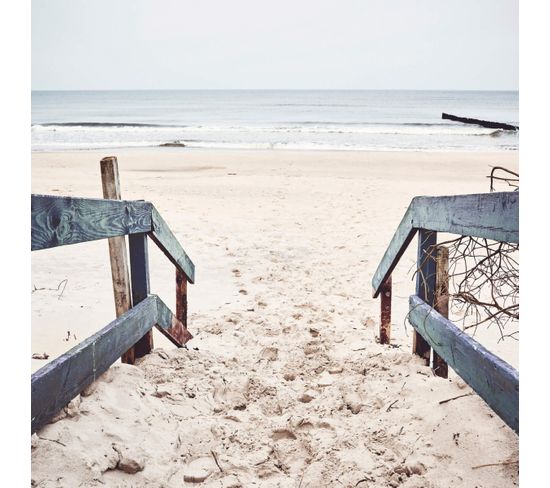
(272, 89)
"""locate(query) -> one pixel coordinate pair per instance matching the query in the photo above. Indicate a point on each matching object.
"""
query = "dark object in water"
(172, 144)
(483, 123)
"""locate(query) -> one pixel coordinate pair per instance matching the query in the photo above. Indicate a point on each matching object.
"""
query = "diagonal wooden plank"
(167, 242)
(492, 216)
(59, 221)
(398, 245)
(490, 377)
(170, 326)
(58, 382)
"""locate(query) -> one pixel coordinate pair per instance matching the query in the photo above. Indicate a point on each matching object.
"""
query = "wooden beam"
(385, 312)
(59, 221)
(488, 215)
(425, 285)
(179, 330)
(169, 245)
(170, 326)
(441, 302)
(110, 182)
(139, 265)
(490, 377)
(58, 382)
(492, 216)
(398, 245)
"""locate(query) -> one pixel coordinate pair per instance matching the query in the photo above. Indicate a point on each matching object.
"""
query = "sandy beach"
(284, 383)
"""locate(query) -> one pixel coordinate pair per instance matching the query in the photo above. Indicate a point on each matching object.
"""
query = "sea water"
(272, 119)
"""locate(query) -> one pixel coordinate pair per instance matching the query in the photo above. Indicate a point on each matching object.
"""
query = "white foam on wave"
(397, 129)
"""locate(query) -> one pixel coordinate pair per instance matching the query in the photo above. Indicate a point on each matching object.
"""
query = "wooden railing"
(59, 221)
(493, 216)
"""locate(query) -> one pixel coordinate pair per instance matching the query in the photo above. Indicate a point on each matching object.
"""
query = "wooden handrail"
(58, 382)
(60, 221)
(170, 246)
(490, 377)
(493, 216)
(488, 215)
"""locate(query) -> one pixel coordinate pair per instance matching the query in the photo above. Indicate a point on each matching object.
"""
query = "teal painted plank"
(492, 216)
(167, 242)
(59, 221)
(57, 383)
(398, 245)
(490, 377)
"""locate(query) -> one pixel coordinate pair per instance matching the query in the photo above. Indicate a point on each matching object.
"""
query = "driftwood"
(483, 123)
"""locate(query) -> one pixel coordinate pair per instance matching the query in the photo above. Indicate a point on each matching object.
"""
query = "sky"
(281, 44)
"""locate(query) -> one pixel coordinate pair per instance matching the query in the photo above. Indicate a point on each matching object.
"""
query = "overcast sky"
(341, 44)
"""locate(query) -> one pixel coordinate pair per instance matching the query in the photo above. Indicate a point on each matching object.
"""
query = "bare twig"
(455, 398)
(503, 463)
(216, 460)
(52, 440)
(391, 405)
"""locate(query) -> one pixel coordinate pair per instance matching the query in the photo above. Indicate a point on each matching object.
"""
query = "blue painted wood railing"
(58, 221)
(493, 216)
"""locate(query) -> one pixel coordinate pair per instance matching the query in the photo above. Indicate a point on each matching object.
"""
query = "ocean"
(272, 119)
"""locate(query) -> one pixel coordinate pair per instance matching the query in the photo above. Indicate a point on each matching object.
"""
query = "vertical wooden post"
(139, 266)
(178, 330)
(385, 312)
(441, 302)
(110, 182)
(425, 284)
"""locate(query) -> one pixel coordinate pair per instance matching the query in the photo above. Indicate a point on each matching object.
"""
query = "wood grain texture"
(490, 377)
(385, 312)
(170, 326)
(441, 303)
(398, 245)
(425, 285)
(167, 242)
(59, 221)
(58, 382)
(488, 215)
(139, 266)
(118, 256)
(492, 216)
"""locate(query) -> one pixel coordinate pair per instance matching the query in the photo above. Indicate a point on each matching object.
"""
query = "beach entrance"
(297, 375)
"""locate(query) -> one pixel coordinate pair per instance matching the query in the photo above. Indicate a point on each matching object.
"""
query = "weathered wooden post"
(181, 301)
(441, 302)
(110, 182)
(425, 284)
(385, 312)
(139, 267)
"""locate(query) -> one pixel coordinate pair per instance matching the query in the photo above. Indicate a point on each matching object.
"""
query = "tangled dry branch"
(483, 283)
